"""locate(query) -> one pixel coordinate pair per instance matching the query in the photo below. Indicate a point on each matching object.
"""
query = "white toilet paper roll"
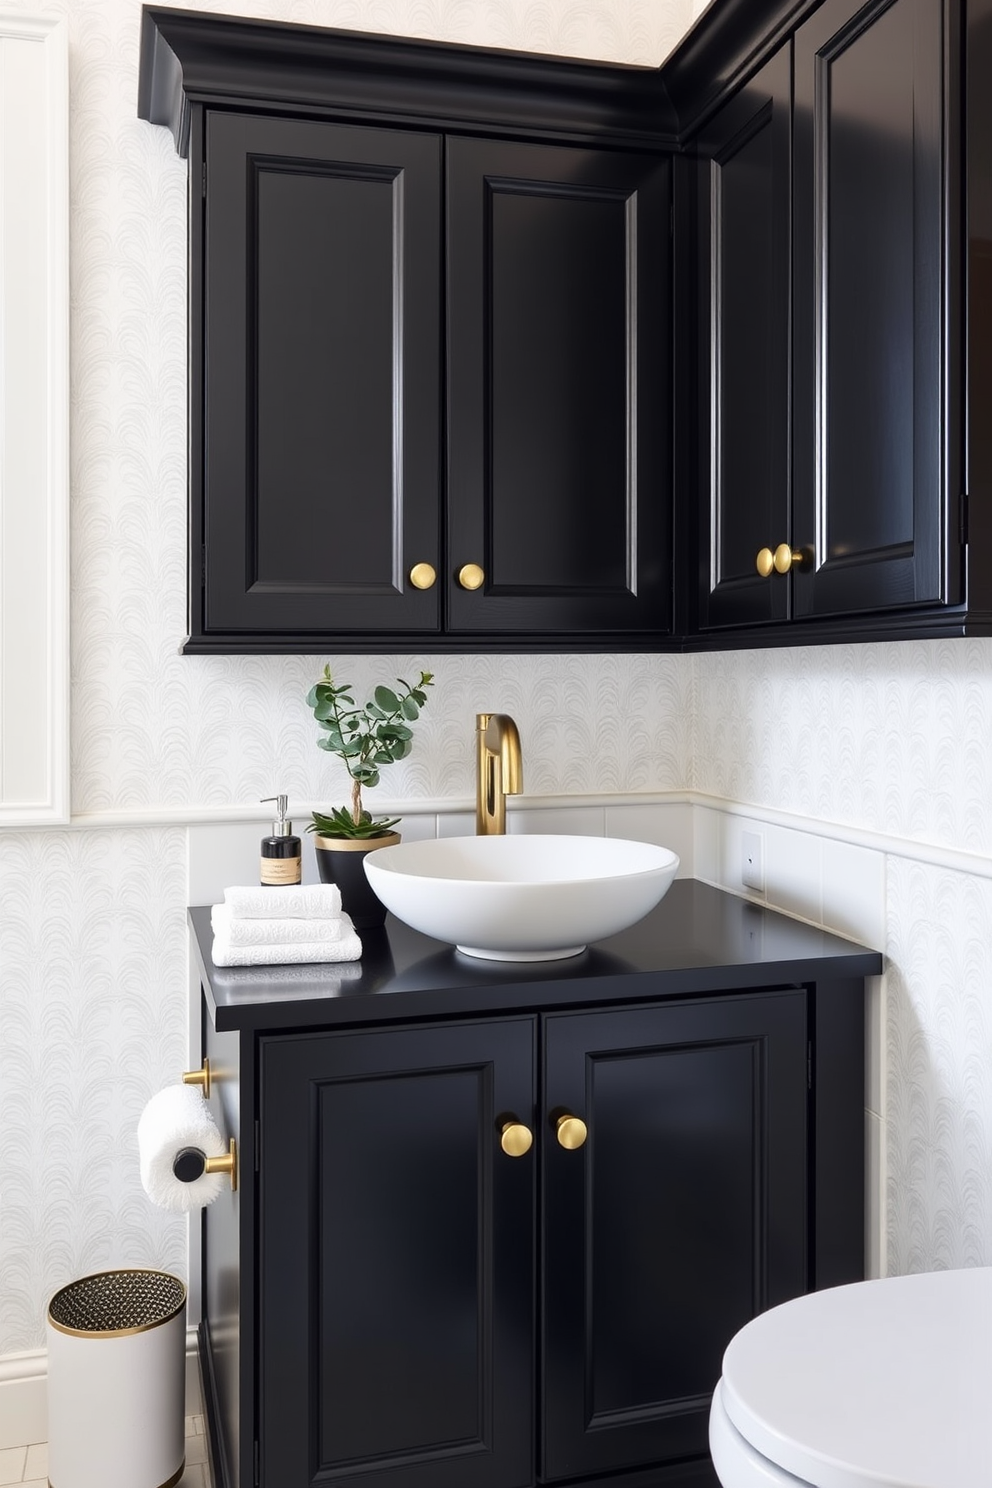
(176, 1118)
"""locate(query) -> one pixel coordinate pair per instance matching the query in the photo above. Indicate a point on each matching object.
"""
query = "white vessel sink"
(521, 898)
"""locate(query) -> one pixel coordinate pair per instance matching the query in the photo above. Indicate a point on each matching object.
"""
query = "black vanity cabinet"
(430, 360)
(496, 1224)
(827, 330)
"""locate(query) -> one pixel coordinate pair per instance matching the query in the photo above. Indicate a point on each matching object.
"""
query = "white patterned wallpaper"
(895, 738)
(93, 971)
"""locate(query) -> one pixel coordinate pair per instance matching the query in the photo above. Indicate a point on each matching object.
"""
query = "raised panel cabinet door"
(744, 240)
(559, 486)
(682, 1215)
(321, 376)
(870, 491)
(396, 1258)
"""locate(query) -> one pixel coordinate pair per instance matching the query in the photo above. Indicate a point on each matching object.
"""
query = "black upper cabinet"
(321, 376)
(744, 201)
(430, 364)
(558, 373)
(447, 392)
(828, 445)
(868, 417)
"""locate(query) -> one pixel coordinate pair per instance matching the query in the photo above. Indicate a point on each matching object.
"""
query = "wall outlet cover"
(753, 861)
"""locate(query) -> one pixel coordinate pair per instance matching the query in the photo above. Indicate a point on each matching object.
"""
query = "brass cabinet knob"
(786, 557)
(471, 576)
(199, 1077)
(515, 1138)
(781, 561)
(423, 576)
(571, 1132)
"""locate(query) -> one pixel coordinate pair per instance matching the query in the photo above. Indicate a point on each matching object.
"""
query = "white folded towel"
(347, 947)
(284, 901)
(241, 932)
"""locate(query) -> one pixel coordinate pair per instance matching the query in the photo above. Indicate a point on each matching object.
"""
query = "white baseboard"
(24, 1394)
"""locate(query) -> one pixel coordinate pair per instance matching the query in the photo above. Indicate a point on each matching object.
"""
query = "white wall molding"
(34, 420)
(935, 854)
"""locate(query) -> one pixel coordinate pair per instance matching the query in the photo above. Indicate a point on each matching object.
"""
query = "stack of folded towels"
(282, 923)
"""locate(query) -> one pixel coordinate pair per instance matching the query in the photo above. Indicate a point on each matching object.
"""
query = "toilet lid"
(883, 1384)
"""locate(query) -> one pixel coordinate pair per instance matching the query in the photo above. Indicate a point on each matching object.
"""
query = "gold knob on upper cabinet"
(786, 557)
(471, 576)
(765, 562)
(423, 576)
(570, 1131)
(515, 1138)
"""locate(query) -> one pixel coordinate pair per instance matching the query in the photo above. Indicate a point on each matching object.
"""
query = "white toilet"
(883, 1384)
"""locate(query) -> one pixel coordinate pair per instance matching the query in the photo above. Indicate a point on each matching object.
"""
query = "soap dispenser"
(281, 859)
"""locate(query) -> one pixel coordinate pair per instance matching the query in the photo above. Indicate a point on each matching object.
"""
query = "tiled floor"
(28, 1466)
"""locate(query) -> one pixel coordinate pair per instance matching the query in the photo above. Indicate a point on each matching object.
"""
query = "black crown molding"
(728, 43)
(192, 57)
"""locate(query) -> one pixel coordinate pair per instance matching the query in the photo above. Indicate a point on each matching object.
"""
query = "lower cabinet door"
(681, 1216)
(396, 1258)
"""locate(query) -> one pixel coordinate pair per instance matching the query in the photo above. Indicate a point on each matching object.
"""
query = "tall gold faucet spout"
(499, 770)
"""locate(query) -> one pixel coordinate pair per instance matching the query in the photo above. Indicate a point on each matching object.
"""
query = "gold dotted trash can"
(117, 1381)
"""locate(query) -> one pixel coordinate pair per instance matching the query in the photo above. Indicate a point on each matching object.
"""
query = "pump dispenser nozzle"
(280, 827)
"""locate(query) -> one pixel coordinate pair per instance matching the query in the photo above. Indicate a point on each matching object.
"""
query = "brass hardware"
(515, 1138)
(787, 557)
(781, 561)
(199, 1077)
(570, 1131)
(499, 771)
(423, 576)
(471, 576)
(226, 1164)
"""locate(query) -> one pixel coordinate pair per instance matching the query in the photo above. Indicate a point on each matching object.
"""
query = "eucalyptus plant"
(366, 739)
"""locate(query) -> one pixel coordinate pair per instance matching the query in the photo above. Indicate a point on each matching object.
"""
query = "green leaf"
(387, 700)
(409, 708)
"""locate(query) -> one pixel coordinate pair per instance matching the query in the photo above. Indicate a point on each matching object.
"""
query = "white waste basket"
(116, 1381)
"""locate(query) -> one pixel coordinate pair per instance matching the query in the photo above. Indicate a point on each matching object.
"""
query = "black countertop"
(697, 940)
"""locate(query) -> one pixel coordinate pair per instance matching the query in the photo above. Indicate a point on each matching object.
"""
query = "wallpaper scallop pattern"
(93, 1009)
(93, 963)
(939, 1057)
(895, 738)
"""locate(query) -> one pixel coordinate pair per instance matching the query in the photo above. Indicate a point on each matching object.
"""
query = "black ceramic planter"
(341, 861)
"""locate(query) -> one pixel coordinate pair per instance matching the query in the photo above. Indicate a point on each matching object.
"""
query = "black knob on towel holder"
(189, 1164)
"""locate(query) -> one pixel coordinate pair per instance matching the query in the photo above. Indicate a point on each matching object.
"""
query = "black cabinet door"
(559, 486)
(682, 1216)
(321, 377)
(397, 1258)
(744, 236)
(869, 323)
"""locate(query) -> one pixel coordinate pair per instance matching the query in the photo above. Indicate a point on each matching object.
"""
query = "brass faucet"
(499, 773)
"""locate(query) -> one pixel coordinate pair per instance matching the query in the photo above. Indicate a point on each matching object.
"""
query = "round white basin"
(521, 898)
